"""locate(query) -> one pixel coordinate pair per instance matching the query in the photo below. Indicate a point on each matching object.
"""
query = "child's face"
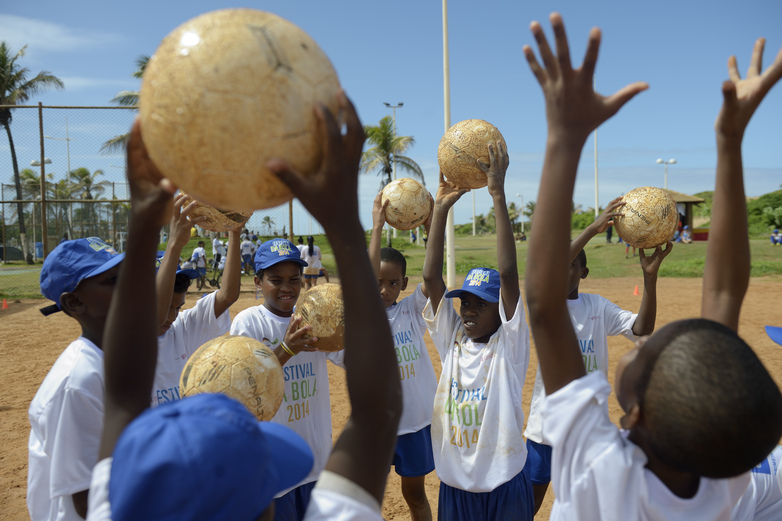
(480, 318)
(95, 294)
(391, 282)
(281, 285)
(177, 301)
(576, 274)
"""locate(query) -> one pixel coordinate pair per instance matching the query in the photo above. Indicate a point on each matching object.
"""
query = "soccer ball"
(240, 367)
(410, 203)
(216, 220)
(227, 91)
(462, 146)
(650, 217)
(321, 307)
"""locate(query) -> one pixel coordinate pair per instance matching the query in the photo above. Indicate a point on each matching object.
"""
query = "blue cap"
(70, 263)
(482, 282)
(275, 251)
(193, 274)
(775, 334)
(686, 227)
(204, 457)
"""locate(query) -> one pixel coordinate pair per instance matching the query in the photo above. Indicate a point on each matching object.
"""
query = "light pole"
(35, 162)
(521, 212)
(67, 140)
(666, 163)
(394, 107)
(450, 247)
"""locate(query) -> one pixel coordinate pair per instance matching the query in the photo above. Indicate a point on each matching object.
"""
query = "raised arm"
(364, 450)
(506, 244)
(376, 239)
(179, 235)
(232, 279)
(130, 337)
(647, 314)
(573, 111)
(726, 275)
(604, 221)
(447, 195)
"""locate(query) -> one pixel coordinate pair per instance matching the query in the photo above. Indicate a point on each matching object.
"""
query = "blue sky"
(392, 52)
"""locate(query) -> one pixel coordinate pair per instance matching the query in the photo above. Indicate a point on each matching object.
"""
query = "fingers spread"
(560, 36)
(546, 55)
(756, 63)
(593, 48)
(733, 70)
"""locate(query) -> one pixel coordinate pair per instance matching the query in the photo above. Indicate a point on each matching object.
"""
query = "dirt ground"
(30, 343)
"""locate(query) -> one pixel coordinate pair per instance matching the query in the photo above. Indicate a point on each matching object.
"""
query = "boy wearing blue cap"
(306, 406)
(477, 422)
(66, 414)
(205, 457)
(182, 332)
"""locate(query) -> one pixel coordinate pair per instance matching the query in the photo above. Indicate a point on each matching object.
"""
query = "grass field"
(18, 280)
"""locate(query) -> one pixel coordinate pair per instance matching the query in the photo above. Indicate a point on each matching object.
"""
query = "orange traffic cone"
(5, 304)
(635, 293)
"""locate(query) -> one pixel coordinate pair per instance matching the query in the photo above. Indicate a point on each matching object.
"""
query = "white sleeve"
(242, 326)
(98, 506)
(336, 498)
(516, 333)
(73, 441)
(619, 321)
(199, 324)
(442, 325)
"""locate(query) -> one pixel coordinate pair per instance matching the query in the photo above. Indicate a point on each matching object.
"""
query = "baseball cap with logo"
(70, 263)
(193, 274)
(275, 251)
(204, 457)
(482, 282)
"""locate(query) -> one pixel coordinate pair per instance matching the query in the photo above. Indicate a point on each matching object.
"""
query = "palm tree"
(386, 150)
(268, 222)
(15, 88)
(126, 98)
(88, 188)
(529, 211)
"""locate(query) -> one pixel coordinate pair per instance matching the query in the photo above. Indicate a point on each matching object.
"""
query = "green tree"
(16, 87)
(126, 98)
(268, 222)
(387, 149)
(88, 188)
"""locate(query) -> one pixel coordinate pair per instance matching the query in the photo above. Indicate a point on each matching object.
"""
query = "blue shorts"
(293, 505)
(311, 276)
(247, 259)
(511, 500)
(202, 271)
(413, 454)
(538, 466)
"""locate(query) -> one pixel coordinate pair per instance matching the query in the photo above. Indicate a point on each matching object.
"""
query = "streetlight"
(666, 163)
(394, 107)
(67, 140)
(521, 212)
(46, 161)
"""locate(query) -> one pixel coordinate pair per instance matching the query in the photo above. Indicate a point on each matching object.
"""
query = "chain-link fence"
(80, 153)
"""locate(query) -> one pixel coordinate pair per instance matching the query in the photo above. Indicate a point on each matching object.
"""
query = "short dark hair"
(582, 256)
(394, 256)
(201, 243)
(182, 283)
(710, 406)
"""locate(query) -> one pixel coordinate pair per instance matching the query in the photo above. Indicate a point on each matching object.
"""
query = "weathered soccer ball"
(650, 218)
(321, 308)
(240, 367)
(227, 91)
(216, 220)
(462, 146)
(410, 203)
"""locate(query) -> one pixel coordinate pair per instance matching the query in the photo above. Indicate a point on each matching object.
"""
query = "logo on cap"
(477, 277)
(282, 248)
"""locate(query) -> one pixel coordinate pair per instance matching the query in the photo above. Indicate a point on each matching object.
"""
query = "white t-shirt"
(300, 247)
(416, 373)
(191, 329)
(762, 501)
(306, 406)
(247, 247)
(199, 257)
(217, 247)
(313, 261)
(98, 506)
(478, 419)
(594, 319)
(66, 419)
(597, 473)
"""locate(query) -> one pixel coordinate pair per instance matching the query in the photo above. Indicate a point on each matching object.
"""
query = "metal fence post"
(44, 227)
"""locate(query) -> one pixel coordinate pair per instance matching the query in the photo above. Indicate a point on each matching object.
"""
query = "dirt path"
(30, 343)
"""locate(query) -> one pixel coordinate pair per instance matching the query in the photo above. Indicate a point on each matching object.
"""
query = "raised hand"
(497, 167)
(447, 194)
(742, 96)
(651, 264)
(379, 211)
(572, 105)
(606, 218)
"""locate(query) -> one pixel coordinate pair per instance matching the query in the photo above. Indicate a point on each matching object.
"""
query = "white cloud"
(40, 35)
(80, 83)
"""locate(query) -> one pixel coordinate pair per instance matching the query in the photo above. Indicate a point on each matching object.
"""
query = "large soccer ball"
(321, 307)
(650, 217)
(216, 220)
(240, 367)
(227, 91)
(410, 203)
(462, 146)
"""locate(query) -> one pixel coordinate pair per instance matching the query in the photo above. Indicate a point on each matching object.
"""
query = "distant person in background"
(686, 236)
(218, 249)
(609, 234)
(311, 255)
(776, 237)
(65, 238)
(627, 251)
(199, 262)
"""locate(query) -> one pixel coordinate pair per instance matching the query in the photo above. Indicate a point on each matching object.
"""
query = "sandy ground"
(30, 343)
